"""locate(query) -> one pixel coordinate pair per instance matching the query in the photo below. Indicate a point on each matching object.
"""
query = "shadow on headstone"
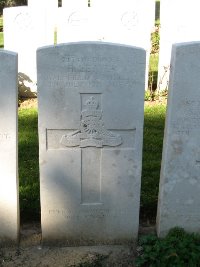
(26, 87)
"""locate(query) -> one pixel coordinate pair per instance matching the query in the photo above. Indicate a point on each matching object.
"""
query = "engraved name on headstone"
(9, 202)
(90, 136)
(179, 182)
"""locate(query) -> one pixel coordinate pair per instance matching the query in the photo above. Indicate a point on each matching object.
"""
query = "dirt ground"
(31, 253)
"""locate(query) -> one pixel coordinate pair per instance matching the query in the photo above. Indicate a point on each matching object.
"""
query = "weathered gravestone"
(90, 135)
(180, 173)
(9, 206)
(186, 15)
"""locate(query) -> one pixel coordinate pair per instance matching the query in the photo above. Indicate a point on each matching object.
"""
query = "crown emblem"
(91, 103)
(92, 131)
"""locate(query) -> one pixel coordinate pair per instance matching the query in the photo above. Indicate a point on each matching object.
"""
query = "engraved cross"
(91, 136)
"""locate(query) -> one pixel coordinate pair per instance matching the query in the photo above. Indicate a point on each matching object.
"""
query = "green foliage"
(28, 164)
(149, 95)
(155, 39)
(153, 64)
(2, 5)
(154, 120)
(9, 3)
(153, 73)
(178, 249)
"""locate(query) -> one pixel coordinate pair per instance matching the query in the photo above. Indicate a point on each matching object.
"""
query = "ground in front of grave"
(31, 253)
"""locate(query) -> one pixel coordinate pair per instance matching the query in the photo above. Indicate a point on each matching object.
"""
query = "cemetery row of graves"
(80, 21)
(90, 143)
(89, 157)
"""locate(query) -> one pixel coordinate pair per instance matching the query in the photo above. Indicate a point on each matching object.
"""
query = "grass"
(29, 164)
(1, 22)
(1, 40)
(152, 152)
(153, 62)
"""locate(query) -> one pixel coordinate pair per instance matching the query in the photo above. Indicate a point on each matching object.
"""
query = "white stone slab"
(76, 23)
(9, 200)
(186, 15)
(26, 29)
(179, 200)
(91, 101)
(48, 11)
(126, 22)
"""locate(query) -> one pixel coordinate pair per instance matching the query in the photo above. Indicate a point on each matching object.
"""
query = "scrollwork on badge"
(92, 132)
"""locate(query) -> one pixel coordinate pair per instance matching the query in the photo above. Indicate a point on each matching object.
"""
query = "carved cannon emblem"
(92, 131)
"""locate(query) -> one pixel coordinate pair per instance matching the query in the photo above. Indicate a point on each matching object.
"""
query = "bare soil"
(31, 253)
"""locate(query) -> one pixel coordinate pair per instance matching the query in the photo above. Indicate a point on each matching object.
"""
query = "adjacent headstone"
(126, 22)
(47, 10)
(91, 101)
(9, 202)
(19, 37)
(180, 181)
(186, 15)
(26, 29)
(76, 22)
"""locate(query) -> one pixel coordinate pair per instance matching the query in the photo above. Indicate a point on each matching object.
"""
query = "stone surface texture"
(180, 180)
(91, 101)
(9, 205)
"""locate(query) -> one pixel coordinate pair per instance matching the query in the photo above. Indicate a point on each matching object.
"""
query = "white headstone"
(179, 200)
(90, 137)
(186, 15)
(26, 29)
(9, 201)
(76, 22)
(126, 22)
(19, 35)
(47, 10)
